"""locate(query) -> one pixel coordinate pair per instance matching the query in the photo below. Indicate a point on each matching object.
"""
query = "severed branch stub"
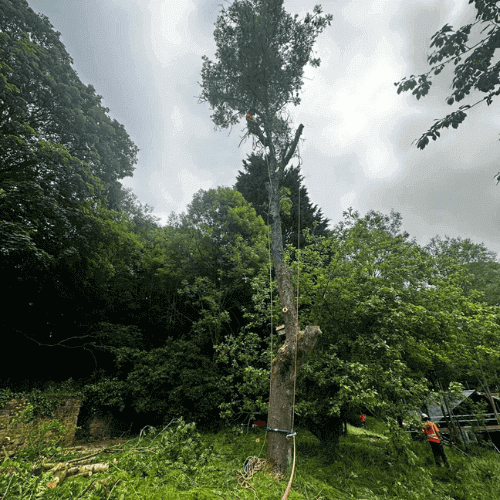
(306, 340)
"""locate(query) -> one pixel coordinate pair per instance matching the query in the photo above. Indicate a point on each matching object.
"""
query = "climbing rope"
(298, 253)
(270, 270)
(250, 467)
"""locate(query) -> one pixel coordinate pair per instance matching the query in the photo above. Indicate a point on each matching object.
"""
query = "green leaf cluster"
(476, 72)
(261, 63)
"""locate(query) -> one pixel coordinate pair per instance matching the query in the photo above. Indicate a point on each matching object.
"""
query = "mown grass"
(179, 463)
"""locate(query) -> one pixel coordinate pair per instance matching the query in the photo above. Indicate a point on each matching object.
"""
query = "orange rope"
(291, 475)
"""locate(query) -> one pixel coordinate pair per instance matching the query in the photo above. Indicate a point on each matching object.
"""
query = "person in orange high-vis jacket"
(362, 417)
(431, 431)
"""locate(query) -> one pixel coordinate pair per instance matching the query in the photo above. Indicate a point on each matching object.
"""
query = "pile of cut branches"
(82, 466)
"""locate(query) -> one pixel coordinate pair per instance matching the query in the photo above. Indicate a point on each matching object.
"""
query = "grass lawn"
(179, 463)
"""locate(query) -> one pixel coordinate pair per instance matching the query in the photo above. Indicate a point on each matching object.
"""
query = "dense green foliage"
(394, 325)
(232, 248)
(155, 323)
(477, 260)
(251, 183)
(60, 154)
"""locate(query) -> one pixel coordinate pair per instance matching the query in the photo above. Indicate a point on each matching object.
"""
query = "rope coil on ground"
(250, 467)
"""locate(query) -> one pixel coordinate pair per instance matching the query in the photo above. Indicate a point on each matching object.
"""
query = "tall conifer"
(251, 184)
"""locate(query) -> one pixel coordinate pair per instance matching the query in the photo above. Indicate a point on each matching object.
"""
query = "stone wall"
(13, 436)
(91, 427)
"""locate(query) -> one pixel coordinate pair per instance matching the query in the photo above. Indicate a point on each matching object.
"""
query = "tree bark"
(297, 345)
(282, 391)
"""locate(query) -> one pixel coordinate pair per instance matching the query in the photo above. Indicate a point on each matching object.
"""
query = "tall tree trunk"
(297, 345)
(251, 79)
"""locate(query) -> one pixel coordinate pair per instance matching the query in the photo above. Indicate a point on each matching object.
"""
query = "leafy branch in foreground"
(475, 72)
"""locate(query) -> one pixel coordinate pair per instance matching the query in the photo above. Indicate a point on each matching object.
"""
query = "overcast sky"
(144, 58)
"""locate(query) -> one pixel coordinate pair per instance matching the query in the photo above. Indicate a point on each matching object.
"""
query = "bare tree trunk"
(281, 397)
(297, 345)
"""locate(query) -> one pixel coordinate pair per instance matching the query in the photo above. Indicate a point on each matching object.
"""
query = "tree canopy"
(60, 149)
(480, 265)
(394, 325)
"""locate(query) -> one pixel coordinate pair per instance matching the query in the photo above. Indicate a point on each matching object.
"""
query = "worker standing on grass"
(362, 417)
(431, 430)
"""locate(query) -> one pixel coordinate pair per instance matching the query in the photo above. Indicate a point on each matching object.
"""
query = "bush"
(38, 434)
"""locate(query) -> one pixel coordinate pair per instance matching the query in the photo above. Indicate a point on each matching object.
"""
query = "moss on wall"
(14, 435)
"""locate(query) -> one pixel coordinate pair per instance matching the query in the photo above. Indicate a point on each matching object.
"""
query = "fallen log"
(88, 470)
(79, 468)
(62, 470)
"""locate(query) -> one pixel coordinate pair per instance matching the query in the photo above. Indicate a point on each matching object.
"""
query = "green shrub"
(180, 449)
(38, 434)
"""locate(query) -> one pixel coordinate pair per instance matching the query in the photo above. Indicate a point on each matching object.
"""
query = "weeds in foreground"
(177, 462)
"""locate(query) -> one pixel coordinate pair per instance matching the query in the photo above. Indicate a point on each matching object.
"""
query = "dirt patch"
(88, 447)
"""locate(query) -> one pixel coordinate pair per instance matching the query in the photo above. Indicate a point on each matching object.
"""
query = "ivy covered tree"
(262, 51)
(251, 184)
